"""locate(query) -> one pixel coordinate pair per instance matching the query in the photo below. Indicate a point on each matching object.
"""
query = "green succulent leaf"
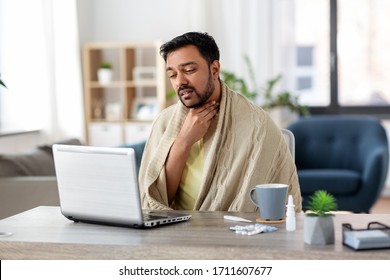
(321, 203)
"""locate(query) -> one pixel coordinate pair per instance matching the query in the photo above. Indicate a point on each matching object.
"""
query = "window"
(304, 69)
(312, 53)
(362, 47)
(304, 83)
(305, 56)
(342, 58)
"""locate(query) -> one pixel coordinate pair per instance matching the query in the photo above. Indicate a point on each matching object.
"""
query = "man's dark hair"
(203, 41)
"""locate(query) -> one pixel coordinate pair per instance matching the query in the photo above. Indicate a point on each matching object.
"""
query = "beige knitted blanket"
(243, 148)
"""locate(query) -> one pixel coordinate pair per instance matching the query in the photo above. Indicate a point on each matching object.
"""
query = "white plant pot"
(104, 76)
(283, 116)
(318, 230)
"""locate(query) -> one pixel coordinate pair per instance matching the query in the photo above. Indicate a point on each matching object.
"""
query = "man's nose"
(181, 80)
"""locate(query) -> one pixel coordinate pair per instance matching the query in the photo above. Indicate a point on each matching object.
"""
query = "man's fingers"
(208, 109)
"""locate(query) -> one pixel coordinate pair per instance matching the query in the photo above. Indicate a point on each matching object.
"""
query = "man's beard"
(203, 97)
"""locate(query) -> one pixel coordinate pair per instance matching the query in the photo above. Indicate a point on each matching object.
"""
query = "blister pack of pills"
(252, 229)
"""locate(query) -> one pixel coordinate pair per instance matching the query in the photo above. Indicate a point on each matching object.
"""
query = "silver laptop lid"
(98, 184)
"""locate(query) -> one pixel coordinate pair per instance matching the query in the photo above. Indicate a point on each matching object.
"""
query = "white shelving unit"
(122, 110)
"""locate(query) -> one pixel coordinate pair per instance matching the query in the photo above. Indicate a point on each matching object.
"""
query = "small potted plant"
(105, 73)
(318, 222)
(282, 99)
(283, 106)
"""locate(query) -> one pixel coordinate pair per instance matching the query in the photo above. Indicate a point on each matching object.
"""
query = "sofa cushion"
(49, 148)
(138, 150)
(335, 181)
(38, 162)
(35, 163)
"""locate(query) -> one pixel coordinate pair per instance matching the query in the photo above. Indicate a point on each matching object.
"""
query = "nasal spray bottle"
(290, 214)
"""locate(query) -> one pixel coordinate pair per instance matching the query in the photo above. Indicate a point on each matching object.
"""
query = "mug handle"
(253, 198)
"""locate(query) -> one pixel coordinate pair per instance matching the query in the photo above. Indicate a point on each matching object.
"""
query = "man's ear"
(215, 68)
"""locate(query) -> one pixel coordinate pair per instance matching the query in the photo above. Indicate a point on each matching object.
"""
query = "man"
(209, 150)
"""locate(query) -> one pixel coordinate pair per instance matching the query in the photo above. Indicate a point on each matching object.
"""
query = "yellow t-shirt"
(191, 179)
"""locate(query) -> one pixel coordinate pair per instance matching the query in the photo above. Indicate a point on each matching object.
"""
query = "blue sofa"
(138, 150)
(344, 155)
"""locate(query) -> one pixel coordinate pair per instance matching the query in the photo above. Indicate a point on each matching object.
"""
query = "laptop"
(100, 185)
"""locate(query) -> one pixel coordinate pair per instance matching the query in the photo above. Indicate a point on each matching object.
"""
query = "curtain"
(260, 29)
(40, 63)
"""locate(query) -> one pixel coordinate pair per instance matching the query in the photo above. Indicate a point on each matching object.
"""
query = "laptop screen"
(98, 184)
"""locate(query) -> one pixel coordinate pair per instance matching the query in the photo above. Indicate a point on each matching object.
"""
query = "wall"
(132, 21)
(240, 27)
(21, 142)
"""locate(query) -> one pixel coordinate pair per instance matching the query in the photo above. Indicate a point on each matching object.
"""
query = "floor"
(382, 206)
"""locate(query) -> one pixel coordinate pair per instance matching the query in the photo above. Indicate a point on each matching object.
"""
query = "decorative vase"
(318, 230)
(104, 76)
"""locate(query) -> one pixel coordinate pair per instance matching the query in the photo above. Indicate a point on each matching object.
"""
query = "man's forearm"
(194, 128)
(174, 167)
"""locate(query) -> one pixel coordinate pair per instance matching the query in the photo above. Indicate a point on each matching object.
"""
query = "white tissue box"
(366, 239)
